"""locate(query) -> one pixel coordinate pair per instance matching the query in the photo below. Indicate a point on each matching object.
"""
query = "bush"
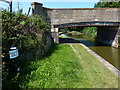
(22, 31)
(27, 33)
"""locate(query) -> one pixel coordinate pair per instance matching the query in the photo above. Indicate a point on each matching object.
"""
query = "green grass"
(63, 69)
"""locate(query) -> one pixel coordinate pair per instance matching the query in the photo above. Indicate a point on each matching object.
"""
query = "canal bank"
(109, 53)
(62, 68)
(103, 61)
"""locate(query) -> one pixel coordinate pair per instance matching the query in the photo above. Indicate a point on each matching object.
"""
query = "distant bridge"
(106, 19)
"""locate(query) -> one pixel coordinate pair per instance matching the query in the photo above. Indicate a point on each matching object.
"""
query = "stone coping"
(78, 8)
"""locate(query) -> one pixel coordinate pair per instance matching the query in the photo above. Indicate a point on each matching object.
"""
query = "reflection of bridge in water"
(107, 20)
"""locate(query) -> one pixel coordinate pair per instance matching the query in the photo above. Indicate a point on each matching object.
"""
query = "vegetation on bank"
(27, 33)
(91, 32)
(62, 68)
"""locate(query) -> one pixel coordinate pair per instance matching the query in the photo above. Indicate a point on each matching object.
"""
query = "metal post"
(10, 4)
(28, 11)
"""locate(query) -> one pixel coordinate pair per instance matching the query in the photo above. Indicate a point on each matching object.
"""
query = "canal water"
(107, 52)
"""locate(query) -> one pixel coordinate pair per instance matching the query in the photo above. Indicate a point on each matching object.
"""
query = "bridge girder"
(87, 24)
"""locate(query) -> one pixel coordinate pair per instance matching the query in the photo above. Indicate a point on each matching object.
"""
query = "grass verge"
(62, 68)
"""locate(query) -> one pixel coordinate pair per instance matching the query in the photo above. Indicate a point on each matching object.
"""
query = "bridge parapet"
(70, 15)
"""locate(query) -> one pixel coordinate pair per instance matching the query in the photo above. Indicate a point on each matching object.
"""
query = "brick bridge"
(107, 20)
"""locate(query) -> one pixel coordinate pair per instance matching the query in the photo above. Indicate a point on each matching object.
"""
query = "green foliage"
(90, 31)
(104, 4)
(22, 31)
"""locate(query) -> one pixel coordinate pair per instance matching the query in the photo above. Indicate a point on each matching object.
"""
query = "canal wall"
(108, 36)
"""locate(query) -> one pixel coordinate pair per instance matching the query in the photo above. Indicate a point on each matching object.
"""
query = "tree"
(107, 4)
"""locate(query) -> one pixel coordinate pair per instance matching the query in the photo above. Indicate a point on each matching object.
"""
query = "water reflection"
(108, 53)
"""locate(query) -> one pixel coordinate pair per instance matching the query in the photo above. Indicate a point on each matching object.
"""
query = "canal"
(107, 52)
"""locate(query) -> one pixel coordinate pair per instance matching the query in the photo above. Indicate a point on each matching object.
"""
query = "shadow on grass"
(53, 48)
(25, 70)
(68, 40)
